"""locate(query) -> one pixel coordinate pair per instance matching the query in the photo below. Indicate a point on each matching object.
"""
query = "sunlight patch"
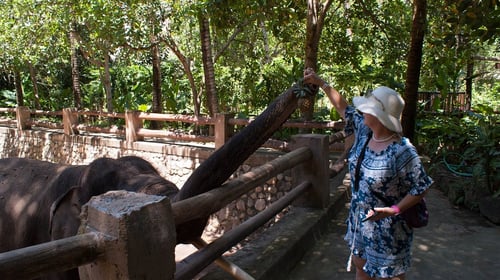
(423, 247)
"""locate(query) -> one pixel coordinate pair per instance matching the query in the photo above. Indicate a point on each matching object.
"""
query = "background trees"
(207, 56)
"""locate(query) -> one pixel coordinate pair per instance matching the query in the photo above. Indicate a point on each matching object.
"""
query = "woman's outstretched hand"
(310, 77)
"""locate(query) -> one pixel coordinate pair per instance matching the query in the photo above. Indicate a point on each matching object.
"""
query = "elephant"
(43, 200)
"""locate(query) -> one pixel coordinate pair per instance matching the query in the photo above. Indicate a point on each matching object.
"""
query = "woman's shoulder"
(405, 152)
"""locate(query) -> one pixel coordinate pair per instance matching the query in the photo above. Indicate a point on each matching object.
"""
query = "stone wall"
(174, 161)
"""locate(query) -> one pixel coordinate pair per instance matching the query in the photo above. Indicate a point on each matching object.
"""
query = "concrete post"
(144, 229)
(314, 170)
(132, 125)
(23, 118)
(70, 120)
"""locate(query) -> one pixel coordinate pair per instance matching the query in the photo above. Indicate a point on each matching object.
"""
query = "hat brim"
(367, 106)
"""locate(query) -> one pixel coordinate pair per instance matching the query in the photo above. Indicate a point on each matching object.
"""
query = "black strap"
(383, 199)
(358, 164)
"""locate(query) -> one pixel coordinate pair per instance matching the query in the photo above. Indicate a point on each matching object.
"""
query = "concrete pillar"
(23, 118)
(70, 120)
(132, 125)
(222, 129)
(314, 170)
(144, 230)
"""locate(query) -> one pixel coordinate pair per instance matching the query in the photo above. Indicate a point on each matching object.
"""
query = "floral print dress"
(394, 172)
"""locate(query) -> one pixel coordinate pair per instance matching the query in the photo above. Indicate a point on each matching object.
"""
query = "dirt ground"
(457, 244)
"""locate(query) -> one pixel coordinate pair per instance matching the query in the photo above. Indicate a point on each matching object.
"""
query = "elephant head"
(128, 173)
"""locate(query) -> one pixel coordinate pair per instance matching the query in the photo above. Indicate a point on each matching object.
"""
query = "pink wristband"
(396, 208)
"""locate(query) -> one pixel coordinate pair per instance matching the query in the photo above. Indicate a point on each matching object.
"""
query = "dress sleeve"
(413, 177)
(353, 120)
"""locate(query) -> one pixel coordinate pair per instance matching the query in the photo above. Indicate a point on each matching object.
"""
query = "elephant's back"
(27, 190)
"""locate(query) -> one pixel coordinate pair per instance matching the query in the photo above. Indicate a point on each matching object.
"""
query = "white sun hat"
(385, 104)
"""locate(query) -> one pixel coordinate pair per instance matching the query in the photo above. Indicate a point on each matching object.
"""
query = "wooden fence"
(131, 236)
(449, 103)
(223, 125)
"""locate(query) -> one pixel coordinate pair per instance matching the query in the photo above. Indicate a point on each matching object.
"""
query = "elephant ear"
(65, 214)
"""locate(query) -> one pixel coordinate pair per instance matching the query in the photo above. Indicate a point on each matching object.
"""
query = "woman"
(390, 171)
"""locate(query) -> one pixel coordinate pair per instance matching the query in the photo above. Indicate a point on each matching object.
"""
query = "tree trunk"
(208, 65)
(106, 81)
(414, 65)
(157, 100)
(19, 88)
(35, 85)
(468, 85)
(316, 13)
(75, 72)
(187, 70)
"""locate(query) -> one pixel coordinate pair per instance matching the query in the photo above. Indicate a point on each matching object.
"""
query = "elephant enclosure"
(157, 226)
(109, 247)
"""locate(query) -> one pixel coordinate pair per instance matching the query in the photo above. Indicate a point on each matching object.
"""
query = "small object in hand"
(375, 213)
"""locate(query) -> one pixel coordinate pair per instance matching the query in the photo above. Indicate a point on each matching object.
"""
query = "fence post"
(144, 228)
(23, 118)
(70, 120)
(132, 125)
(222, 129)
(314, 170)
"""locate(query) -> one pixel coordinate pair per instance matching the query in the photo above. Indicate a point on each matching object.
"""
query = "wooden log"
(143, 132)
(225, 264)
(196, 262)
(145, 236)
(60, 255)
(199, 120)
(212, 201)
(214, 171)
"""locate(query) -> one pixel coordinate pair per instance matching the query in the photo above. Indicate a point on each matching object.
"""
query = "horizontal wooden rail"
(59, 255)
(197, 261)
(7, 110)
(202, 205)
(109, 130)
(223, 125)
(295, 124)
(173, 135)
(46, 124)
(176, 118)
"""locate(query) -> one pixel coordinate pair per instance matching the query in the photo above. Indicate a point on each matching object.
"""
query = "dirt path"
(457, 244)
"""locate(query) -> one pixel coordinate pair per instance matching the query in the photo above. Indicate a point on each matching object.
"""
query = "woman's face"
(371, 121)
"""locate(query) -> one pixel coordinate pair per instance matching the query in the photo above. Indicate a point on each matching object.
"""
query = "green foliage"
(132, 88)
(258, 50)
(475, 137)
(302, 90)
(7, 98)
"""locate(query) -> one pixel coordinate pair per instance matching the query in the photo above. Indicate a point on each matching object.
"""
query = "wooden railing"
(435, 101)
(124, 242)
(223, 125)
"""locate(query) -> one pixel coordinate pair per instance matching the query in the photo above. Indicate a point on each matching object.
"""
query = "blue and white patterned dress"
(394, 172)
